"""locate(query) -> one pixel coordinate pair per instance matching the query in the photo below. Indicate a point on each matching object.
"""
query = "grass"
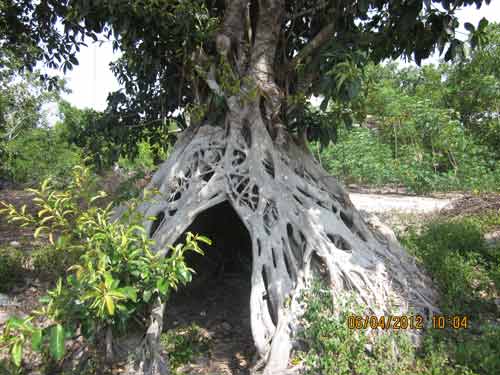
(466, 271)
(183, 344)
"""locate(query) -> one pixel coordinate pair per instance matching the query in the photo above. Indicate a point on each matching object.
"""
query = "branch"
(314, 44)
(233, 26)
(321, 5)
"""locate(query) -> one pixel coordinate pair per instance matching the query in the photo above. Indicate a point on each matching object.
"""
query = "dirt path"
(221, 309)
(376, 203)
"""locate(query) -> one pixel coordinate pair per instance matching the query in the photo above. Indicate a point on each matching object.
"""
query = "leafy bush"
(361, 156)
(144, 161)
(11, 267)
(465, 269)
(138, 170)
(50, 262)
(115, 280)
(358, 157)
(38, 154)
(456, 255)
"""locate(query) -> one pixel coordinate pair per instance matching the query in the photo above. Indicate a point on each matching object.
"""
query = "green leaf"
(56, 346)
(204, 239)
(146, 296)
(130, 292)
(110, 304)
(17, 353)
(469, 27)
(38, 230)
(162, 286)
(44, 300)
(185, 274)
(15, 322)
(482, 24)
(36, 340)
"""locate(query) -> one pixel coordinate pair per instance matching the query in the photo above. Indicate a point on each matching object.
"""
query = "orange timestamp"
(397, 322)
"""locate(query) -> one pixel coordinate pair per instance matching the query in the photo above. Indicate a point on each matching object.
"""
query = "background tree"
(24, 130)
(473, 88)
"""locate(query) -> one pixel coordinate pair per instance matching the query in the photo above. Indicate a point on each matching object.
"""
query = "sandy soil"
(375, 203)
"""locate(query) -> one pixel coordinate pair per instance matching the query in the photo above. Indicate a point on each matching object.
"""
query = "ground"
(219, 306)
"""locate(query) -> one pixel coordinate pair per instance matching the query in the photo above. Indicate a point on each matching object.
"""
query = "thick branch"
(267, 36)
(317, 42)
(309, 11)
(231, 35)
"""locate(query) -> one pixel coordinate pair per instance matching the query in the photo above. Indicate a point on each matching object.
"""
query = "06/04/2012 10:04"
(397, 322)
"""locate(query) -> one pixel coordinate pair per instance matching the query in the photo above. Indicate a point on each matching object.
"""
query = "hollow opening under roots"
(217, 300)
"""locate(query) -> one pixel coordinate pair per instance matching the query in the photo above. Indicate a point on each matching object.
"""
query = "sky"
(92, 80)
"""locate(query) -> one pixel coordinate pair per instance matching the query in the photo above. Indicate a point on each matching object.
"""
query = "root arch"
(294, 213)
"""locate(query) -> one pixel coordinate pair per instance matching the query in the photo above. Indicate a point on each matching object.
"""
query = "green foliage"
(434, 128)
(358, 157)
(362, 156)
(104, 138)
(480, 353)
(50, 262)
(334, 348)
(11, 267)
(38, 154)
(21, 98)
(165, 43)
(464, 267)
(85, 128)
(473, 88)
(144, 162)
(24, 136)
(139, 169)
(182, 344)
(457, 256)
(114, 281)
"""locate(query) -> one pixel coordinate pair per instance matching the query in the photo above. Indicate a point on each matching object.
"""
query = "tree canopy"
(170, 47)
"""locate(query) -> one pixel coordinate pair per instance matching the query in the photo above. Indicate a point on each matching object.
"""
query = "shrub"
(359, 157)
(362, 156)
(37, 154)
(113, 283)
(49, 262)
(138, 170)
(456, 255)
(11, 267)
(480, 353)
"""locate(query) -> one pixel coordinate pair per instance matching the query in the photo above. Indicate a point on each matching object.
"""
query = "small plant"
(11, 267)
(183, 343)
(116, 277)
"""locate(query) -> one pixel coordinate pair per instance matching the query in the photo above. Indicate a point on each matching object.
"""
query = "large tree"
(242, 70)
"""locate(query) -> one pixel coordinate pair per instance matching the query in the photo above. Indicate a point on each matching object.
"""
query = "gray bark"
(294, 212)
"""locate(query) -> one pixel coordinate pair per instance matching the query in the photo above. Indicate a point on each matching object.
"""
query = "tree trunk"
(294, 212)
